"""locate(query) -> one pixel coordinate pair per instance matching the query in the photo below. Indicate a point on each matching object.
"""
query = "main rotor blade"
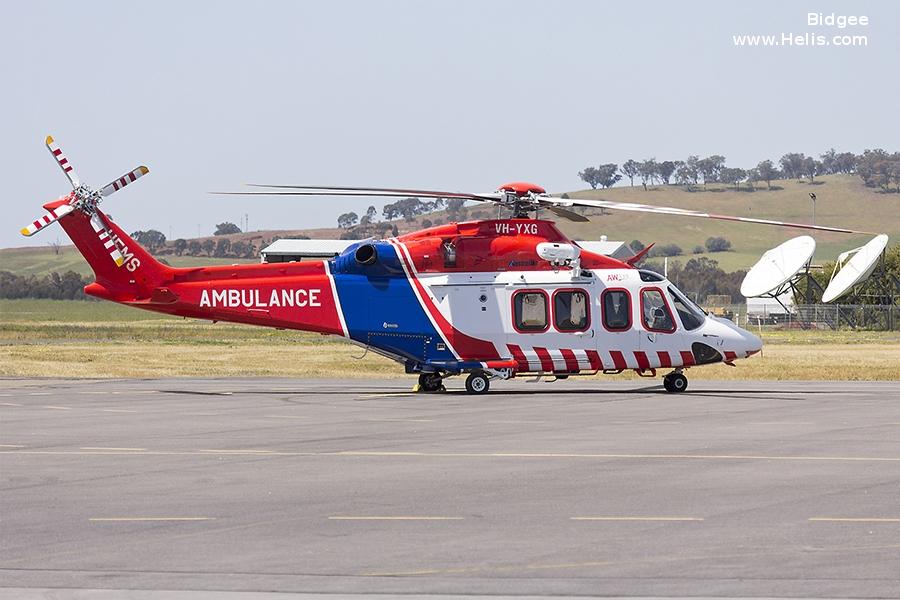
(682, 212)
(124, 180)
(368, 194)
(62, 161)
(567, 214)
(327, 190)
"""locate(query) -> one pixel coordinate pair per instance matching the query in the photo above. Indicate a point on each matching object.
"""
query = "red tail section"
(139, 272)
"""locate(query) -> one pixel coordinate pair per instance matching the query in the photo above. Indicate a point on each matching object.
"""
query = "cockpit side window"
(690, 315)
(655, 312)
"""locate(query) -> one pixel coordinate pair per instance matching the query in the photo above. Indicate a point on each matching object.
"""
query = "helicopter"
(490, 299)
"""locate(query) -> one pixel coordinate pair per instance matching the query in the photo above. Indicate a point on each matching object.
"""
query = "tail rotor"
(84, 199)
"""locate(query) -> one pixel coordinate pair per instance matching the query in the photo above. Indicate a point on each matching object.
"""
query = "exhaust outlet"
(366, 255)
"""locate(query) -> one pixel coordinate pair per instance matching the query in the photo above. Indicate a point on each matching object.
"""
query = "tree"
(455, 208)
(709, 168)
(792, 165)
(665, 250)
(647, 171)
(665, 169)
(688, 172)
(226, 228)
(55, 246)
(223, 247)
(767, 172)
(631, 169)
(718, 244)
(426, 223)
(180, 246)
(811, 167)
(608, 175)
(241, 249)
(371, 213)
(732, 175)
(347, 220)
(194, 248)
(845, 162)
(150, 239)
(829, 158)
(636, 245)
(590, 176)
(208, 246)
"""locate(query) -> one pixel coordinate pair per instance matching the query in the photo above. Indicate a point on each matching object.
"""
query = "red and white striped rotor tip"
(106, 239)
(124, 180)
(62, 161)
(48, 217)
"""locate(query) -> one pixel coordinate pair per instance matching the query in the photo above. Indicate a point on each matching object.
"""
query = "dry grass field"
(91, 339)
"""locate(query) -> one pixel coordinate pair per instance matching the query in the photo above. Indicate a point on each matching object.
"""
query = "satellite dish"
(857, 269)
(778, 267)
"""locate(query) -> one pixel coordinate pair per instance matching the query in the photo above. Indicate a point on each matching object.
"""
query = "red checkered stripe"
(563, 360)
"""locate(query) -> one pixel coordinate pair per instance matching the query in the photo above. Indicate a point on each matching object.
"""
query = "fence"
(820, 316)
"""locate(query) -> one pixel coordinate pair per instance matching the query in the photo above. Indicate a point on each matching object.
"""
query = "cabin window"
(570, 310)
(690, 314)
(655, 312)
(616, 310)
(530, 309)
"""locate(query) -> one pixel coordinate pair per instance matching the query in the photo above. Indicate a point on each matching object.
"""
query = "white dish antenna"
(774, 272)
(861, 263)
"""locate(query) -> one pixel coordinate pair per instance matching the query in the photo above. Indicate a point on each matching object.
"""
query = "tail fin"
(125, 271)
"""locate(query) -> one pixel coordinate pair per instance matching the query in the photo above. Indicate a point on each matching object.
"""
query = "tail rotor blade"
(48, 217)
(105, 237)
(124, 180)
(62, 161)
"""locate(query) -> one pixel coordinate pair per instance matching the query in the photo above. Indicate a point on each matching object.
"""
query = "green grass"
(101, 339)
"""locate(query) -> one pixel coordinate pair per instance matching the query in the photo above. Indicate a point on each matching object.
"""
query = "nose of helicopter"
(731, 340)
(740, 341)
(750, 344)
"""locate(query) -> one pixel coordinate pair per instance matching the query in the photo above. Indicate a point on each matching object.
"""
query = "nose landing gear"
(477, 383)
(675, 382)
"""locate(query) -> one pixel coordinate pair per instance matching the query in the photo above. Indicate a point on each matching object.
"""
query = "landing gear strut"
(431, 382)
(675, 382)
(477, 383)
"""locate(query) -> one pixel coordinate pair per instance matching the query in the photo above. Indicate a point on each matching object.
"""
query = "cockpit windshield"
(691, 315)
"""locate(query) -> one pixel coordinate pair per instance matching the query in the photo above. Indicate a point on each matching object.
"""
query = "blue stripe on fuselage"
(381, 308)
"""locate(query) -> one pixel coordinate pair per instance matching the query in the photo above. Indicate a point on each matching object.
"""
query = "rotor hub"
(86, 199)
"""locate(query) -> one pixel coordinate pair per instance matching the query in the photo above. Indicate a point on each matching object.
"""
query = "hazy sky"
(445, 95)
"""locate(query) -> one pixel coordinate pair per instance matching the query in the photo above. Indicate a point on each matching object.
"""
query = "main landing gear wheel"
(477, 383)
(430, 382)
(675, 383)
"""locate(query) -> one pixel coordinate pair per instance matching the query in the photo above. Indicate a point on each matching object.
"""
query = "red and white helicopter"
(493, 299)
